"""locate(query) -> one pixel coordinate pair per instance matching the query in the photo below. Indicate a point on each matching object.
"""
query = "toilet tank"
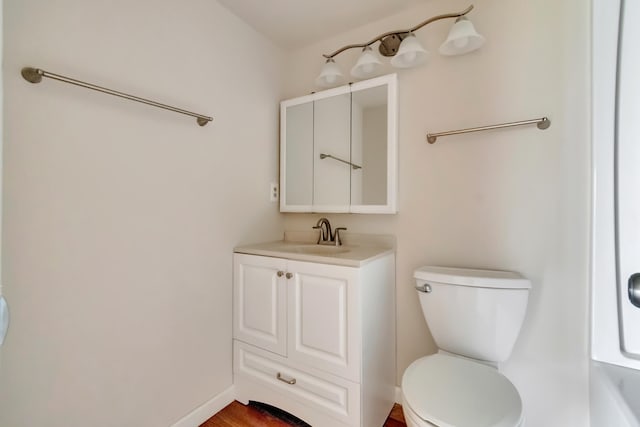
(473, 313)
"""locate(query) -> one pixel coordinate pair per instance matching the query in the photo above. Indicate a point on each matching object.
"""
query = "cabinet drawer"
(331, 395)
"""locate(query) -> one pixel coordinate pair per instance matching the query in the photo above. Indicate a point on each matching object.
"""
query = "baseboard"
(207, 409)
(214, 405)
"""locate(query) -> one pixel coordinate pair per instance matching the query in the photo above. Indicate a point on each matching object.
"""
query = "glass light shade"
(462, 39)
(368, 64)
(410, 53)
(330, 74)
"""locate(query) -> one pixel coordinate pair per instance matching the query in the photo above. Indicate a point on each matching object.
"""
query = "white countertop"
(357, 250)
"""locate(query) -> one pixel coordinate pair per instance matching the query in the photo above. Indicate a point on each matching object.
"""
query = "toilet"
(475, 318)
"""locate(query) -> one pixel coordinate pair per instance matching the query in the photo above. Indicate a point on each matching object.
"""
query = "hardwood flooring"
(238, 415)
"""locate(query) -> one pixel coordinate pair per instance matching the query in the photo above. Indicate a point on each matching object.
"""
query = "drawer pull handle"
(289, 275)
(280, 273)
(292, 381)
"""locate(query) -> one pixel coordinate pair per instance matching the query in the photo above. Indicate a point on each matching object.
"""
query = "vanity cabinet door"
(259, 299)
(324, 318)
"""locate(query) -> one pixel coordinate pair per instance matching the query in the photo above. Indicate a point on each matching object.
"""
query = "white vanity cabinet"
(316, 340)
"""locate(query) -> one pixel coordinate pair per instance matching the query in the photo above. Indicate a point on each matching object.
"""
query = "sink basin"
(354, 254)
(319, 249)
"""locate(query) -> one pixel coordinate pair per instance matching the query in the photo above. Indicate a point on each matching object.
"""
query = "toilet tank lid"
(473, 277)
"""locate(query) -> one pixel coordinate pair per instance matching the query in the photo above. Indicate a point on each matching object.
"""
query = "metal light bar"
(542, 123)
(401, 33)
(35, 75)
(353, 165)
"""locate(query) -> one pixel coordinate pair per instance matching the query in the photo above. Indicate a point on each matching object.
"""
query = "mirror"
(369, 146)
(338, 149)
(298, 191)
(331, 141)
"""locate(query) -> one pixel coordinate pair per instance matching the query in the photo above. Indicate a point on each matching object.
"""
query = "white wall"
(514, 199)
(120, 218)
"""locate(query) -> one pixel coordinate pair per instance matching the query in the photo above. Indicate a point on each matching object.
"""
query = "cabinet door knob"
(292, 381)
(280, 273)
(289, 275)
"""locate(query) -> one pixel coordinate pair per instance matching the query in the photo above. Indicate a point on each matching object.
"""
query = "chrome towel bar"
(35, 75)
(542, 123)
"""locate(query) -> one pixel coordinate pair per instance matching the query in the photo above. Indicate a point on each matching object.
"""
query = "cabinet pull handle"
(292, 381)
(280, 273)
(289, 275)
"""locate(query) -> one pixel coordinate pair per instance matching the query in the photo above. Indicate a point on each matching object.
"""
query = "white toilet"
(475, 318)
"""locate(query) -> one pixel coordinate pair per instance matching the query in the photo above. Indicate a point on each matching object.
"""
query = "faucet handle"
(337, 235)
(319, 228)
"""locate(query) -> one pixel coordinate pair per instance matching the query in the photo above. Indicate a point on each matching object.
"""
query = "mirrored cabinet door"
(298, 190)
(369, 146)
(331, 153)
(339, 149)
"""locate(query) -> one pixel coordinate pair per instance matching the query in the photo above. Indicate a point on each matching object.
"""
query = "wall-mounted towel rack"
(542, 123)
(35, 75)
(353, 165)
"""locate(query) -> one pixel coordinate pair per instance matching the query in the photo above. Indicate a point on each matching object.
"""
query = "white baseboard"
(214, 405)
(207, 409)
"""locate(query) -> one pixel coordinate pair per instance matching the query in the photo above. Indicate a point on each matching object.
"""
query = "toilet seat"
(452, 392)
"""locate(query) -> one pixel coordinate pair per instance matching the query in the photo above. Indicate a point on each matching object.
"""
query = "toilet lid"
(452, 392)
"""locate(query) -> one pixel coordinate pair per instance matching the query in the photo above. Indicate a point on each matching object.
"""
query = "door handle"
(634, 289)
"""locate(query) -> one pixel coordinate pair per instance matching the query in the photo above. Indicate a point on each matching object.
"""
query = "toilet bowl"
(475, 317)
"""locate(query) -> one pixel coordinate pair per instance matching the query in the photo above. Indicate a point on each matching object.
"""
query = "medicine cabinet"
(338, 149)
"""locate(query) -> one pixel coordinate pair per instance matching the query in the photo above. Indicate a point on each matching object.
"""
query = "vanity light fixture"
(463, 38)
(329, 74)
(410, 53)
(368, 63)
(404, 48)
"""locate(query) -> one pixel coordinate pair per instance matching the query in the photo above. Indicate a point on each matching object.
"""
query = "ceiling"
(296, 23)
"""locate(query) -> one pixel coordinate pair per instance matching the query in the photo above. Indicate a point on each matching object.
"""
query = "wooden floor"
(238, 415)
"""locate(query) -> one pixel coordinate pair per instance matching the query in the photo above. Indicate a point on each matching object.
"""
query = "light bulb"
(410, 56)
(461, 42)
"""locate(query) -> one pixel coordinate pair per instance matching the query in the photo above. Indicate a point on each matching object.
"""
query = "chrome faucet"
(326, 237)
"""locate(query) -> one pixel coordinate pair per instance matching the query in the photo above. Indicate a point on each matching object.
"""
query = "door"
(324, 318)
(628, 181)
(259, 298)
(297, 157)
(332, 153)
